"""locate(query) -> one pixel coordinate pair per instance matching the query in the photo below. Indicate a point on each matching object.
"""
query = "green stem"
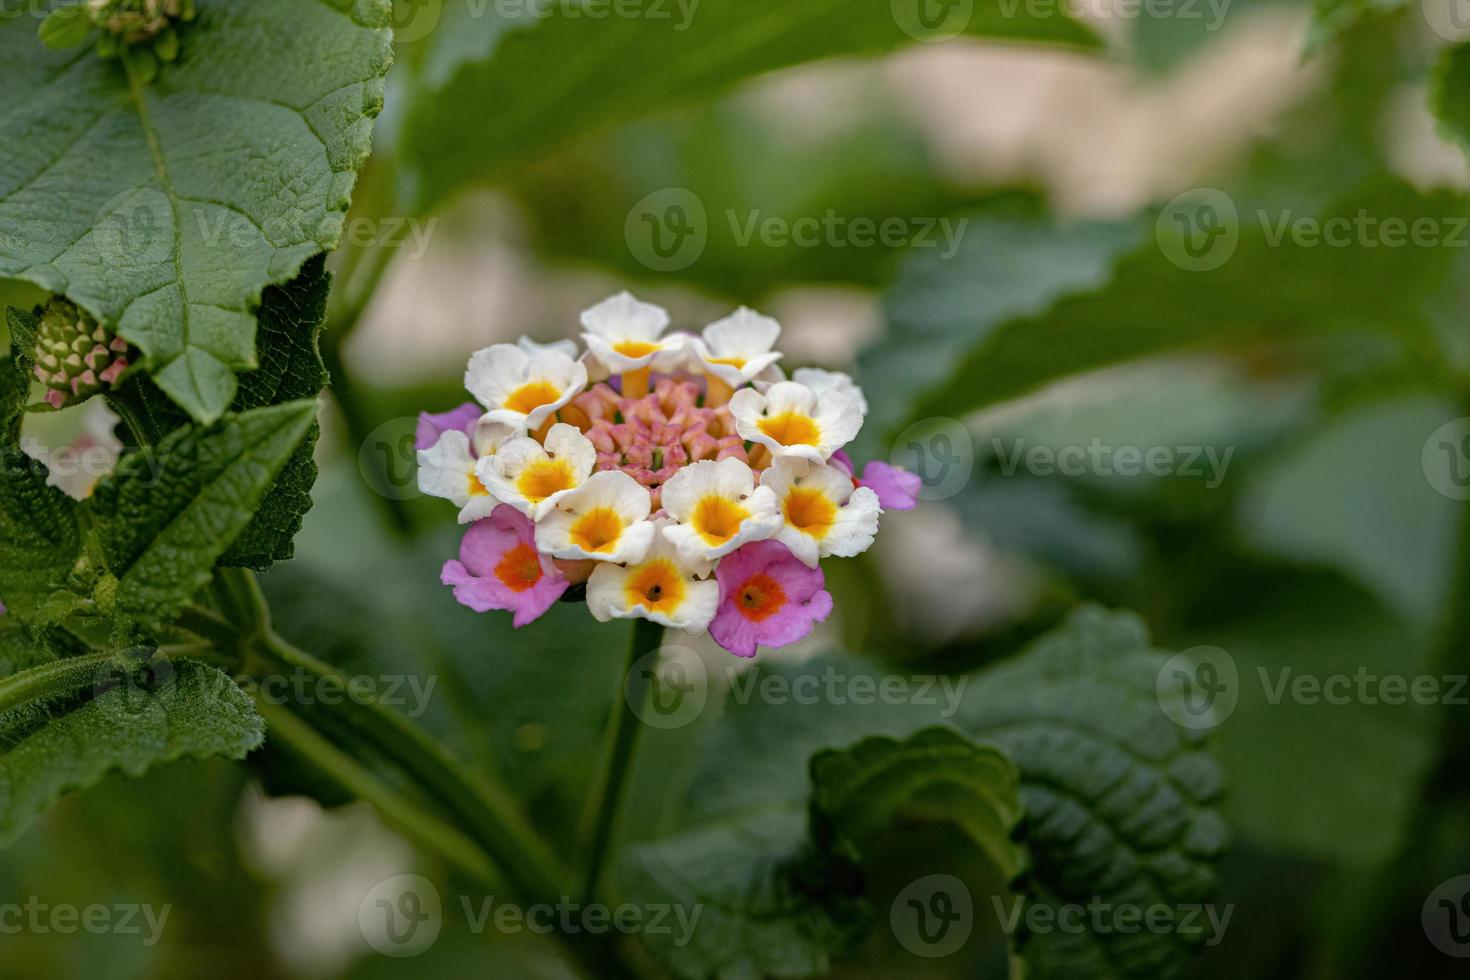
(356, 779)
(52, 679)
(605, 803)
(491, 817)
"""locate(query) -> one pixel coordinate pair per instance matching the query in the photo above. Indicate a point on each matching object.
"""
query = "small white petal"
(822, 514)
(820, 380)
(567, 347)
(448, 469)
(520, 388)
(718, 508)
(792, 420)
(606, 519)
(532, 477)
(662, 587)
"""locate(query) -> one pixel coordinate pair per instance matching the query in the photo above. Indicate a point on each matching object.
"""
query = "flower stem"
(52, 679)
(605, 803)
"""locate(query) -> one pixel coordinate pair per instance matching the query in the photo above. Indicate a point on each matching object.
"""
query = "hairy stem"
(605, 802)
(52, 679)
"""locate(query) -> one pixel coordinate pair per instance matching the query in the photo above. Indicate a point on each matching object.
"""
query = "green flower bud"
(76, 357)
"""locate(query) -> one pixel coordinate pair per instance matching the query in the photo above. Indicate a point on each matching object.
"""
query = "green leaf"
(108, 199)
(117, 715)
(291, 368)
(615, 68)
(39, 536)
(65, 27)
(15, 386)
(1333, 17)
(1121, 803)
(779, 889)
(167, 514)
(1267, 291)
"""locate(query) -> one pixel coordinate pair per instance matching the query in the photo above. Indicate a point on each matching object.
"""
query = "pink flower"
(461, 419)
(897, 488)
(500, 568)
(767, 598)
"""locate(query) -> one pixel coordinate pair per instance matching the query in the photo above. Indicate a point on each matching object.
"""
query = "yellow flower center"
(519, 568)
(734, 362)
(531, 396)
(545, 477)
(597, 530)
(476, 488)
(635, 348)
(718, 519)
(792, 429)
(810, 511)
(761, 597)
(656, 586)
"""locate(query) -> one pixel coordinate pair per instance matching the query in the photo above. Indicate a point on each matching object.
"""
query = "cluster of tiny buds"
(146, 24)
(76, 356)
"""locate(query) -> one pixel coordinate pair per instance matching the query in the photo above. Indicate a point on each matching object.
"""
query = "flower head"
(665, 587)
(523, 388)
(500, 567)
(605, 519)
(822, 513)
(533, 476)
(694, 488)
(767, 598)
(790, 419)
(718, 507)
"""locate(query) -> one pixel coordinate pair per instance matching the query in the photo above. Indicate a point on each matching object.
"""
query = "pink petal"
(432, 426)
(473, 577)
(807, 602)
(897, 489)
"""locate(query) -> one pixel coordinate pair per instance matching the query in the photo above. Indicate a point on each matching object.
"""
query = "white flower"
(567, 347)
(606, 518)
(719, 508)
(523, 388)
(447, 469)
(737, 349)
(532, 477)
(820, 380)
(823, 513)
(792, 420)
(627, 335)
(664, 587)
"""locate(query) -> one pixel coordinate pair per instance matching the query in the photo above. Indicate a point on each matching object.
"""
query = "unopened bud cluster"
(76, 356)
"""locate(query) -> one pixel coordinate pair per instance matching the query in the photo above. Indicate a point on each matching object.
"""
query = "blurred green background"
(1058, 315)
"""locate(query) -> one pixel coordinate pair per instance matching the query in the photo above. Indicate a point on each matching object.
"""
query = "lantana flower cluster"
(676, 477)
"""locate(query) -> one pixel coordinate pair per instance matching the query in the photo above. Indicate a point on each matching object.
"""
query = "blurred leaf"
(779, 894)
(1330, 775)
(122, 717)
(107, 198)
(167, 513)
(1164, 37)
(1449, 97)
(1265, 292)
(1333, 17)
(1008, 266)
(612, 69)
